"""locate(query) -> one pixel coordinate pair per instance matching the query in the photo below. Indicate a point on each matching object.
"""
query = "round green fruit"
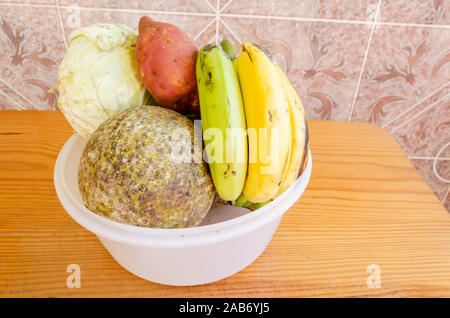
(137, 168)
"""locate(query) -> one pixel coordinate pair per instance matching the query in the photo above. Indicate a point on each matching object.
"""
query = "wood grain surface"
(365, 204)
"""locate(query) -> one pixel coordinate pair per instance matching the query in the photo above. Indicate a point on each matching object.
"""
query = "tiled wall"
(379, 61)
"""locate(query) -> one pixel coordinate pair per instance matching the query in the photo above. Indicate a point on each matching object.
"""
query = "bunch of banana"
(256, 95)
(223, 120)
(270, 102)
(268, 123)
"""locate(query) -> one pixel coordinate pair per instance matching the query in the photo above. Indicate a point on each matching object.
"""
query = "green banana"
(223, 121)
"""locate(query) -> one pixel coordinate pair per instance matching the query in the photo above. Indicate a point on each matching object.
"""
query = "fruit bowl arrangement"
(184, 160)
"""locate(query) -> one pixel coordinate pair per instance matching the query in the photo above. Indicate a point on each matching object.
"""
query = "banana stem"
(228, 48)
(243, 202)
(256, 206)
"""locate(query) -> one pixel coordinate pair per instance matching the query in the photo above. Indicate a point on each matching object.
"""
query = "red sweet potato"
(165, 60)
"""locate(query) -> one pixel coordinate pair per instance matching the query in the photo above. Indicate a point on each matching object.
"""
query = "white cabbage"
(97, 77)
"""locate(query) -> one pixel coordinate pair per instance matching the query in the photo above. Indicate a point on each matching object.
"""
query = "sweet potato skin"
(165, 60)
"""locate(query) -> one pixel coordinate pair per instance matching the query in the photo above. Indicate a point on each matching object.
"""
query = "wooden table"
(366, 214)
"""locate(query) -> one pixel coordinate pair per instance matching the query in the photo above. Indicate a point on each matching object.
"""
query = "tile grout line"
(445, 196)
(209, 23)
(414, 25)
(213, 39)
(217, 20)
(204, 29)
(235, 15)
(419, 113)
(231, 31)
(416, 104)
(435, 164)
(20, 94)
(36, 5)
(61, 25)
(13, 102)
(363, 66)
(428, 158)
(225, 6)
(338, 21)
(209, 5)
(182, 13)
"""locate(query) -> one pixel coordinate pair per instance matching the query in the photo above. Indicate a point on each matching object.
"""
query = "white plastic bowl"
(228, 240)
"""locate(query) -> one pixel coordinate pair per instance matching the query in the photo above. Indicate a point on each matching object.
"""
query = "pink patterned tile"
(112, 4)
(425, 168)
(10, 99)
(428, 132)
(75, 19)
(323, 9)
(362, 10)
(446, 14)
(405, 66)
(292, 8)
(446, 201)
(208, 35)
(157, 5)
(42, 2)
(224, 32)
(444, 152)
(32, 46)
(442, 170)
(205, 6)
(414, 11)
(412, 111)
(322, 60)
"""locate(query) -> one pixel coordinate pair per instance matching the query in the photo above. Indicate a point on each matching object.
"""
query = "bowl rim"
(199, 235)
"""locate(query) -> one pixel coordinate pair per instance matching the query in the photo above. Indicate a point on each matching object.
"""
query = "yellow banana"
(300, 133)
(268, 123)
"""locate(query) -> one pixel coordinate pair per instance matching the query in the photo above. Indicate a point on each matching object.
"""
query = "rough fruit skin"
(165, 59)
(127, 174)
